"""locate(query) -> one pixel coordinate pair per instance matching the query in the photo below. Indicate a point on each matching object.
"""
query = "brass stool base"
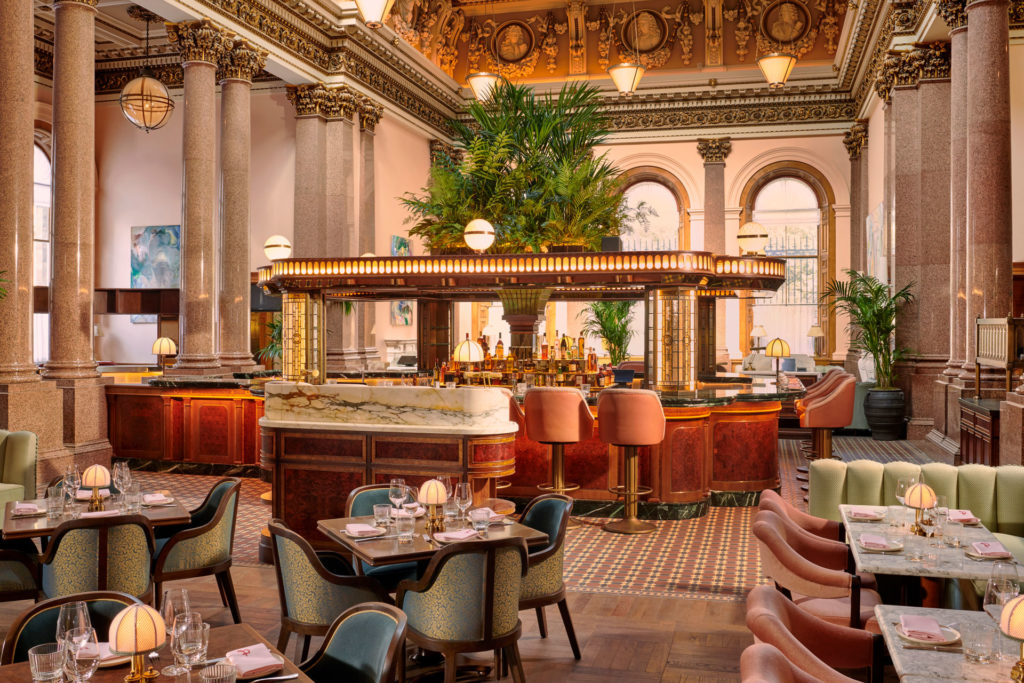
(553, 488)
(629, 526)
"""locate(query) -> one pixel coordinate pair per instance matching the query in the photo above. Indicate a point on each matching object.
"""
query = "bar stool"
(557, 416)
(833, 410)
(630, 418)
(822, 387)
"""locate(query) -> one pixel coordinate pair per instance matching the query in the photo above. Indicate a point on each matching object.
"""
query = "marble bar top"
(355, 407)
(703, 398)
(185, 382)
(929, 665)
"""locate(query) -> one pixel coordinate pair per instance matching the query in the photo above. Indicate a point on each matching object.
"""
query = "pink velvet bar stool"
(557, 416)
(630, 418)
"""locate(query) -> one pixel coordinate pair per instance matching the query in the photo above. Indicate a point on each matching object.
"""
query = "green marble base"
(737, 499)
(656, 511)
(208, 469)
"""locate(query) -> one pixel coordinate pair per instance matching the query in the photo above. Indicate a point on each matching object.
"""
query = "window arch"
(42, 247)
(669, 225)
(796, 203)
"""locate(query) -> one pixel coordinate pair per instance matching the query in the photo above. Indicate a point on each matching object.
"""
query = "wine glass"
(998, 592)
(939, 515)
(72, 482)
(72, 615)
(447, 482)
(397, 492)
(176, 603)
(463, 498)
(187, 643)
(122, 476)
(81, 654)
(902, 484)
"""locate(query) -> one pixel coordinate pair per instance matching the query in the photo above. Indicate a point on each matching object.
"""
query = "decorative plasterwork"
(87, 3)
(369, 114)
(200, 41)
(444, 152)
(309, 99)
(242, 62)
(855, 139)
(953, 12)
(907, 15)
(933, 59)
(904, 69)
(734, 114)
(714, 150)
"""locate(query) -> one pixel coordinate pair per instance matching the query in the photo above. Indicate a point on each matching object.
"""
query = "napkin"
(862, 512)
(920, 627)
(25, 508)
(874, 542)
(990, 549)
(361, 530)
(86, 494)
(154, 498)
(493, 516)
(460, 535)
(962, 516)
(254, 660)
(101, 513)
(106, 654)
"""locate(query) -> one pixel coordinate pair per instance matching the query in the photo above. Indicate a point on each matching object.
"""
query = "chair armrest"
(194, 532)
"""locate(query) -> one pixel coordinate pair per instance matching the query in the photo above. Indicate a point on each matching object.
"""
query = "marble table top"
(928, 665)
(948, 563)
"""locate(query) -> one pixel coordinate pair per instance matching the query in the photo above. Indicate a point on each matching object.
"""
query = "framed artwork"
(156, 260)
(401, 313)
(400, 246)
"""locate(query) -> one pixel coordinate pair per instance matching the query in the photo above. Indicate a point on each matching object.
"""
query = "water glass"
(218, 673)
(46, 661)
(54, 503)
(133, 498)
(175, 603)
(451, 513)
(913, 547)
(480, 519)
(381, 514)
(193, 640)
(405, 525)
(72, 615)
(952, 533)
(978, 642)
(81, 654)
(585, 388)
(397, 492)
(896, 516)
(449, 385)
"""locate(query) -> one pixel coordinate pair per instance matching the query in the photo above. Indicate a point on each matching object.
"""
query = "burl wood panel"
(684, 459)
(323, 496)
(745, 444)
(136, 426)
(483, 452)
(421, 449)
(211, 427)
(340, 446)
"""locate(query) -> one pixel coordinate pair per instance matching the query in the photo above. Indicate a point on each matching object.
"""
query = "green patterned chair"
(363, 645)
(100, 554)
(314, 586)
(468, 601)
(203, 548)
(360, 504)
(543, 584)
(17, 466)
(38, 624)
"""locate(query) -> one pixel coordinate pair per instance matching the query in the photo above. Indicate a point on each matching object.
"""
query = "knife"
(372, 538)
(936, 648)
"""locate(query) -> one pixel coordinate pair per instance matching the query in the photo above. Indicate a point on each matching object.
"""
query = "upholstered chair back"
(794, 560)
(548, 513)
(362, 646)
(764, 663)
(17, 465)
(99, 554)
(213, 546)
(630, 417)
(557, 415)
(361, 500)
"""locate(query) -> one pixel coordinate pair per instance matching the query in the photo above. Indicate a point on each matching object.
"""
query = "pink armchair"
(763, 663)
(829, 411)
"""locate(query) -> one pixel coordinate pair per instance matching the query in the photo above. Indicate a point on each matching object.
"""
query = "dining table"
(30, 526)
(223, 639)
(916, 663)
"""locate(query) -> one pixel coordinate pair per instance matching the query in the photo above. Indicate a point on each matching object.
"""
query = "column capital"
(714, 150)
(953, 12)
(200, 41)
(309, 99)
(242, 62)
(855, 139)
(899, 69)
(340, 103)
(933, 60)
(442, 152)
(369, 114)
(87, 3)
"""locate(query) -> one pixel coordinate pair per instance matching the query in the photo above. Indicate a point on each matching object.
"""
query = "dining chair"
(468, 601)
(764, 663)
(100, 554)
(543, 584)
(314, 586)
(17, 465)
(204, 547)
(365, 644)
(804, 638)
(19, 575)
(38, 624)
(360, 503)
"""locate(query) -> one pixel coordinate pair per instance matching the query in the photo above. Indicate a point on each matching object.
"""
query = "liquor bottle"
(581, 351)
(482, 341)
(437, 372)
(563, 347)
(488, 362)
(543, 347)
(510, 361)
(592, 360)
(499, 348)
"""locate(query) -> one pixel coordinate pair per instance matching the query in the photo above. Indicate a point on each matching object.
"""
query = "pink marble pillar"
(369, 116)
(989, 220)
(856, 140)
(202, 46)
(310, 231)
(239, 67)
(714, 151)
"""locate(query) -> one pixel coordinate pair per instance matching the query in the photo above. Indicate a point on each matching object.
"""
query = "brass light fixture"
(1011, 623)
(164, 346)
(434, 495)
(776, 67)
(96, 477)
(135, 631)
(921, 497)
(626, 75)
(478, 235)
(484, 83)
(752, 238)
(144, 100)
(374, 12)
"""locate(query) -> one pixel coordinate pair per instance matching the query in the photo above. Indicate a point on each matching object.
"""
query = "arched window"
(658, 227)
(42, 250)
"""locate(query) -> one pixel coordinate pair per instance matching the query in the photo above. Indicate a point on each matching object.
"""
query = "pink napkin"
(106, 654)
(86, 494)
(101, 513)
(874, 542)
(361, 530)
(460, 535)
(990, 549)
(493, 516)
(962, 516)
(862, 512)
(154, 498)
(920, 627)
(254, 660)
(408, 511)
(25, 508)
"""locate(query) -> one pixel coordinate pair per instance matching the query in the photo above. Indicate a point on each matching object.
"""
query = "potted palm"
(871, 307)
(610, 321)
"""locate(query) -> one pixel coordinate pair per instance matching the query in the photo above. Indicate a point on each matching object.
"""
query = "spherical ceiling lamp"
(479, 235)
(626, 77)
(277, 247)
(144, 100)
(483, 84)
(374, 12)
(752, 238)
(776, 67)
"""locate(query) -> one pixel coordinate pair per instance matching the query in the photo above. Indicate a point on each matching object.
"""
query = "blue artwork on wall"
(156, 260)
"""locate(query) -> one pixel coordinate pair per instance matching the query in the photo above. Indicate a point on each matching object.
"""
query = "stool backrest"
(557, 415)
(630, 417)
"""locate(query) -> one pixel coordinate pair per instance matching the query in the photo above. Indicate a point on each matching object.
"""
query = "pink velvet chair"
(557, 416)
(832, 410)
(808, 641)
(764, 663)
(630, 418)
(823, 528)
(811, 571)
(822, 387)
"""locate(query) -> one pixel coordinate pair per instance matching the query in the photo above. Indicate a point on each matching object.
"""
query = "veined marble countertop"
(351, 407)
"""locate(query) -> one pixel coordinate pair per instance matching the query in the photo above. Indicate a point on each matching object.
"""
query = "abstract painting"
(401, 313)
(156, 260)
(400, 246)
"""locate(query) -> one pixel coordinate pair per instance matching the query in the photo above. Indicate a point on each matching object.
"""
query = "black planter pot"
(884, 410)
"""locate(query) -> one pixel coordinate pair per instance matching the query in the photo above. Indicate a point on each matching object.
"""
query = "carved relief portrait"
(513, 42)
(647, 29)
(785, 21)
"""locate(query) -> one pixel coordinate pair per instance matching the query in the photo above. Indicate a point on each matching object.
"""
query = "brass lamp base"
(916, 527)
(140, 672)
(435, 519)
(96, 502)
(1017, 672)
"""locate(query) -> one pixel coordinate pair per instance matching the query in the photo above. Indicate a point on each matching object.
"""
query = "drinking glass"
(952, 533)
(81, 654)
(463, 498)
(480, 519)
(175, 603)
(447, 481)
(939, 515)
(46, 661)
(896, 516)
(71, 483)
(902, 484)
(927, 524)
(189, 638)
(218, 673)
(72, 615)
(122, 476)
(451, 513)
(978, 639)
(1001, 588)
(133, 498)
(405, 525)
(54, 503)
(381, 514)
(396, 493)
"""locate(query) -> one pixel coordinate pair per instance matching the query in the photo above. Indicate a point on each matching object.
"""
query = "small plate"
(379, 532)
(419, 512)
(116, 661)
(169, 501)
(950, 637)
(894, 548)
(876, 518)
(969, 552)
(261, 674)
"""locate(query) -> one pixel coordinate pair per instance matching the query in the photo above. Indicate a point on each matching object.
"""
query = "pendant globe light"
(145, 101)
(776, 67)
(626, 75)
(374, 12)
(484, 83)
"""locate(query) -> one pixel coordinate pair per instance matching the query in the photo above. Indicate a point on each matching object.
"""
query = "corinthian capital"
(933, 59)
(953, 12)
(242, 62)
(369, 114)
(87, 3)
(200, 41)
(714, 150)
(340, 103)
(899, 69)
(855, 139)
(309, 99)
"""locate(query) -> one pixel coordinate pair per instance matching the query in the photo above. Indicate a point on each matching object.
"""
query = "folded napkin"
(408, 510)
(86, 494)
(460, 535)
(921, 627)
(106, 654)
(874, 542)
(101, 513)
(862, 512)
(990, 549)
(962, 516)
(361, 530)
(25, 508)
(155, 498)
(255, 660)
(493, 516)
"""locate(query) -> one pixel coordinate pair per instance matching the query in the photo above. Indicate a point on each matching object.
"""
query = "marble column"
(856, 140)
(202, 46)
(26, 403)
(714, 151)
(369, 116)
(237, 70)
(310, 223)
(342, 235)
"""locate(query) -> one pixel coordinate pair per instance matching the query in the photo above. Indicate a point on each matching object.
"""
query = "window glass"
(41, 249)
(658, 228)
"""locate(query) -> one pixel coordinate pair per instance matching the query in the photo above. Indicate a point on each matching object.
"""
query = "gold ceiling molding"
(369, 113)
(953, 12)
(738, 114)
(309, 99)
(442, 152)
(43, 60)
(714, 150)
(934, 60)
(855, 139)
(242, 62)
(310, 46)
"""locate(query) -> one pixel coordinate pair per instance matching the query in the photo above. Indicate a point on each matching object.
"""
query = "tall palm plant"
(871, 307)
(610, 320)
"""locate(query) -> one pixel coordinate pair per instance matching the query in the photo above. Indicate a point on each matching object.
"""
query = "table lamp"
(96, 477)
(777, 348)
(1011, 622)
(468, 351)
(433, 494)
(815, 332)
(920, 497)
(135, 631)
(164, 346)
